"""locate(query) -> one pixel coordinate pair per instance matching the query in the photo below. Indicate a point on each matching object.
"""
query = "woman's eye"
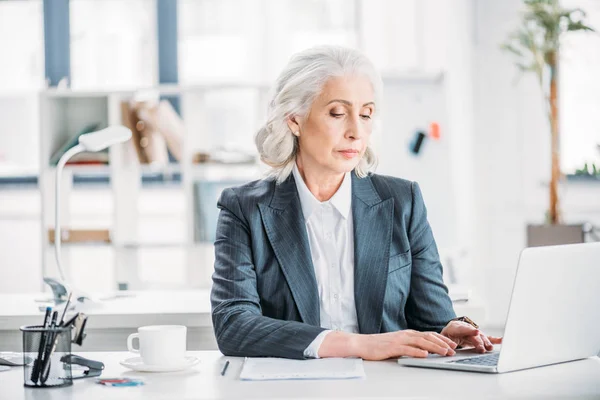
(366, 116)
(335, 115)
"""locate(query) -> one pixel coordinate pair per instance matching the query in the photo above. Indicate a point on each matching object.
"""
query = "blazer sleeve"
(428, 307)
(239, 326)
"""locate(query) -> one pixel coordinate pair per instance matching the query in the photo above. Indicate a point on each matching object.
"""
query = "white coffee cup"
(160, 344)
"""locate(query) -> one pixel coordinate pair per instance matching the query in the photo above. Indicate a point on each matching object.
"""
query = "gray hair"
(296, 88)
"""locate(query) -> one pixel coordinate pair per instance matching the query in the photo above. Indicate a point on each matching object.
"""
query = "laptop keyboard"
(487, 360)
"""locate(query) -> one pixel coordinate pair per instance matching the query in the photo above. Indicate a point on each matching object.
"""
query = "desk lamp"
(92, 142)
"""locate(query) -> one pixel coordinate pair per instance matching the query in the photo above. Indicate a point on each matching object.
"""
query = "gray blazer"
(264, 297)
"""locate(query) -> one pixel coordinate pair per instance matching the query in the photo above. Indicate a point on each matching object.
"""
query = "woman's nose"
(355, 129)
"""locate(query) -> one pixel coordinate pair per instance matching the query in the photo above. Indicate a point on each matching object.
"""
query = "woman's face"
(334, 135)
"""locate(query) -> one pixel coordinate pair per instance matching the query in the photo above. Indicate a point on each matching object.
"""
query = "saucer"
(136, 364)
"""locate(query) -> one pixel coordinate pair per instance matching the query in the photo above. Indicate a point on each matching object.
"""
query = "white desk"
(386, 379)
(112, 321)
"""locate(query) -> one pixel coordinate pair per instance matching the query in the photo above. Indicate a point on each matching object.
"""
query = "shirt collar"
(341, 200)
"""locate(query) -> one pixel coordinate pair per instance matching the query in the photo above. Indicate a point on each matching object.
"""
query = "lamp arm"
(57, 229)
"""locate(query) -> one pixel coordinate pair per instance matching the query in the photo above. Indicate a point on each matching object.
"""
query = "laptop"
(553, 316)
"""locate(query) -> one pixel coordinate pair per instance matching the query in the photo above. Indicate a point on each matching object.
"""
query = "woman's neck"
(322, 185)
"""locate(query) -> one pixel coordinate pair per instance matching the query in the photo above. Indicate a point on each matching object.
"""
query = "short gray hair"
(296, 88)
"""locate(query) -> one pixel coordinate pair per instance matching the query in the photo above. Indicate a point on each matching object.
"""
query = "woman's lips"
(349, 153)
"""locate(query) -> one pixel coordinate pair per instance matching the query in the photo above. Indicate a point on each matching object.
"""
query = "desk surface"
(385, 379)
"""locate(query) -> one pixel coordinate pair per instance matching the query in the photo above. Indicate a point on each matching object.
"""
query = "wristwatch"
(467, 320)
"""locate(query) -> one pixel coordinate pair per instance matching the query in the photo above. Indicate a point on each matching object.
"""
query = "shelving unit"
(421, 96)
(64, 113)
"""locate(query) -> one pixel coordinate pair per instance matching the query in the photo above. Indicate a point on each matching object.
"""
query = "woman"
(324, 258)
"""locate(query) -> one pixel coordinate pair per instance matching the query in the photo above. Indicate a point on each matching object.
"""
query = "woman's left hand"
(465, 335)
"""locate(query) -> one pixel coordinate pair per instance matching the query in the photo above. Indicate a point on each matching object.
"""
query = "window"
(580, 93)
(113, 43)
(246, 41)
(21, 45)
(218, 40)
(21, 72)
(251, 40)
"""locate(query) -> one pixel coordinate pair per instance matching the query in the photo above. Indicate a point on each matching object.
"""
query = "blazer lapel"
(373, 220)
(285, 227)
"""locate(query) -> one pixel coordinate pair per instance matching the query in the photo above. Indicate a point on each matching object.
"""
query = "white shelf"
(106, 169)
(16, 171)
(164, 90)
(65, 112)
(83, 169)
(225, 172)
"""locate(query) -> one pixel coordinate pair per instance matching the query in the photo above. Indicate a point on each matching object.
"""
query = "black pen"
(225, 368)
(50, 337)
(37, 364)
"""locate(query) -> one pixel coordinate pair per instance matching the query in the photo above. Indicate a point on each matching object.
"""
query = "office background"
(484, 180)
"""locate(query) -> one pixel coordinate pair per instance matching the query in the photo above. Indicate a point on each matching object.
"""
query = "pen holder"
(48, 348)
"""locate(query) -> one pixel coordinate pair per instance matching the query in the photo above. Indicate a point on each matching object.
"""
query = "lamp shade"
(104, 138)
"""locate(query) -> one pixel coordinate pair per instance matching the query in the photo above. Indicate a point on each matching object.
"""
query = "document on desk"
(261, 369)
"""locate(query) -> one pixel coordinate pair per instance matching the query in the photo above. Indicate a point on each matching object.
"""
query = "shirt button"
(335, 296)
(328, 235)
(332, 265)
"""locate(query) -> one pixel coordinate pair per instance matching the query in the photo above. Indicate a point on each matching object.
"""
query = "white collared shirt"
(329, 226)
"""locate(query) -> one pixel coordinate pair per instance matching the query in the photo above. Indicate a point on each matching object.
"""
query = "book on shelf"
(156, 130)
(72, 142)
(90, 158)
(171, 127)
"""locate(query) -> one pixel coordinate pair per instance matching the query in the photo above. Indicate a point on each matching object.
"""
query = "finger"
(495, 340)
(486, 342)
(451, 342)
(477, 342)
(412, 352)
(423, 343)
(439, 339)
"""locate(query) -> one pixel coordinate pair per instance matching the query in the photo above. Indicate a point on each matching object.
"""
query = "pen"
(50, 337)
(38, 361)
(225, 368)
(62, 318)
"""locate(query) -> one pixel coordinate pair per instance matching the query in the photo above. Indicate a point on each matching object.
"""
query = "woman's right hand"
(408, 342)
(382, 346)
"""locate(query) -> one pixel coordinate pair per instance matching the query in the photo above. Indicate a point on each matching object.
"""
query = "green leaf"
(579, 26)
(511, 48)
(535, 43)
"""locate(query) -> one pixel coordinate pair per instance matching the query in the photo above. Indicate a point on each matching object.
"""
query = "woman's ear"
(293, 124)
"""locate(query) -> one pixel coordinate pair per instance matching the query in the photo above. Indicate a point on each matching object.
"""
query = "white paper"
(258, 369)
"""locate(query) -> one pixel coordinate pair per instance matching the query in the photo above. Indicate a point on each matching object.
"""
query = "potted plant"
(536, 48)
